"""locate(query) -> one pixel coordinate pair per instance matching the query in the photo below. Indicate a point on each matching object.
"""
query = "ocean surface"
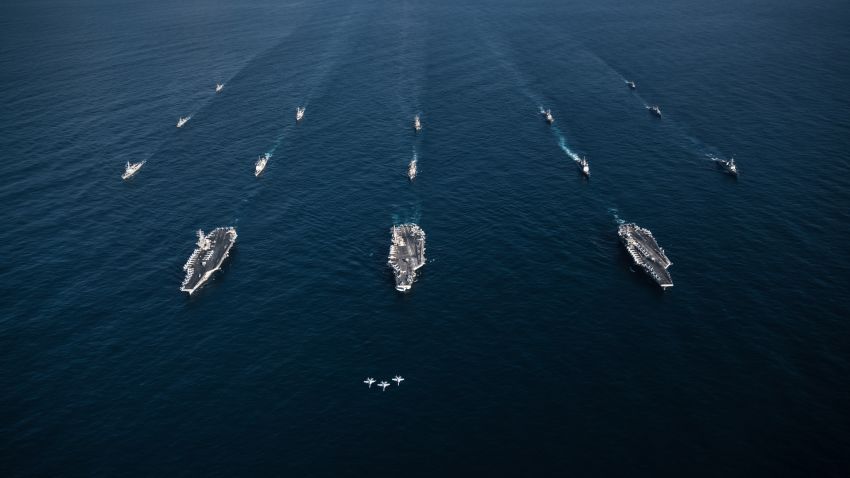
(531, 346)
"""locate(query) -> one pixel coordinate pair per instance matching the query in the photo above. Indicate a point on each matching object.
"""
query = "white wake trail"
(562, 142)
(614, 212)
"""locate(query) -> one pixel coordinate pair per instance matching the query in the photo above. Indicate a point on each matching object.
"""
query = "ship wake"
(616, 213)
(562, 143)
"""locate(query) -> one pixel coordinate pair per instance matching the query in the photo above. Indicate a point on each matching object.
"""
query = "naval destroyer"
(212, 250)
(728, 165)
(407, 254)
(585, 167)
(411, 169)
(131, 169)
(260, 166)
(646, 253)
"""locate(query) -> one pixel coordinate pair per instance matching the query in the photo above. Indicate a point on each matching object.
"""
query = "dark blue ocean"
(530, 344)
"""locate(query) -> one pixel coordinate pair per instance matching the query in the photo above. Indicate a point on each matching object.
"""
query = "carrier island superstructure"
(212, 249)
(646, 253)
(407, 254)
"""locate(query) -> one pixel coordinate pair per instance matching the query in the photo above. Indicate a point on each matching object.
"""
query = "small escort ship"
(407, 254)
(212, 249)
(646, 253)
(728, 165)
(411, 169)
(131, 169)
(261, 163)
(585, 167)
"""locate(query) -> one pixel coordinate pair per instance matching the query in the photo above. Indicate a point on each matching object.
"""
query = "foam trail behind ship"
(522, 83)
(319, 69)
(203, 98)
(253, 185)
(562, 143)
(415, 159)
(414, 216)
(695, 144)
(508, 66)
(615, 212)
(277, 142)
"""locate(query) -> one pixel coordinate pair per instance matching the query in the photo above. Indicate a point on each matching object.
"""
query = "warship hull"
(407, 254)
(212, 249)
(646, 253)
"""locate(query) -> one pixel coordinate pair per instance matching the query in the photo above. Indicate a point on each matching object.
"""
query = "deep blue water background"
(528, 344)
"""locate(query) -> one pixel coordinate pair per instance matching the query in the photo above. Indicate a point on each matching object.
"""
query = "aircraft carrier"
(407, 254)
(212, 250)
(646, 253)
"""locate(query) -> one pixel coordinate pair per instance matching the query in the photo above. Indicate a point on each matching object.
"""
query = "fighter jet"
(398, 379)
(369, 381)
(384, 385)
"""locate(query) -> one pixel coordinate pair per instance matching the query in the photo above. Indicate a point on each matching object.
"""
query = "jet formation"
(383, 383)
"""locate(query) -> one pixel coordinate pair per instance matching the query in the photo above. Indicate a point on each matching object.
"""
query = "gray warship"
(212, 250)
(728, 165)
(407, 254)
(646, 253)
